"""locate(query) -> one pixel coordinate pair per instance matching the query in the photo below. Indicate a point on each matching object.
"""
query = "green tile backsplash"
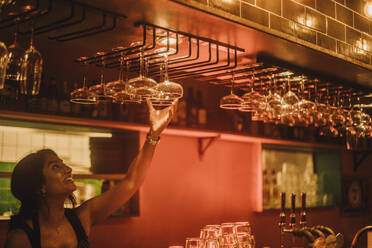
(324, 23)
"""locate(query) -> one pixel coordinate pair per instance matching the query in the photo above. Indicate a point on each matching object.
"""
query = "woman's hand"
(159, 119)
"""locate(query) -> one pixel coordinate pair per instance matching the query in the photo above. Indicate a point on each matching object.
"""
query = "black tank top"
(34, 234)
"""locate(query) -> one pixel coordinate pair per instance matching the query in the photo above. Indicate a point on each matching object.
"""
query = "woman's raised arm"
(100, 207)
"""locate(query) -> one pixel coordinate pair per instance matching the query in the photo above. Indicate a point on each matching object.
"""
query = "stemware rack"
(75, 25)
(190, 56)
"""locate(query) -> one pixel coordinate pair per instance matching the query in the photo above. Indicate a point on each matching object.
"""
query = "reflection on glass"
(14, 77)
(166, 91)
(231, 101)
(83, 95)
(142, 85)
(32, 69)
(4, 58)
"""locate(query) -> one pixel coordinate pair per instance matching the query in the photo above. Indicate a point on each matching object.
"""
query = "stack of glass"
(226, 235)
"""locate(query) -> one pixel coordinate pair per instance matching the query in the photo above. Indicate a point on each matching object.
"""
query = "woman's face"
(58, 177)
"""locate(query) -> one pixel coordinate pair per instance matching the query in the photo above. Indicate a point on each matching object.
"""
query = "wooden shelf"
(80, 176)
(177, 131)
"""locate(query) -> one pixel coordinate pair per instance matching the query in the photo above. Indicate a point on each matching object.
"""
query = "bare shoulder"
(17, 238)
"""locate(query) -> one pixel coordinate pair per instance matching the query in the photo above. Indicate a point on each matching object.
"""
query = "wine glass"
(118, 85)
(316, 114)
(337, 118)
(290, 100)
(83, 95)
(4, 58)
(14, 76)
(193, 243)
(141, 85)
(273, 103)
(304, 108)
(99, 90)
(166, 91)
(123, 96)
(252, 99)
(31, 69)
(231, 101)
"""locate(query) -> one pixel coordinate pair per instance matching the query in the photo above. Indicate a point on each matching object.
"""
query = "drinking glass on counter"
(194, 243)
(227, 235)
(210, 234)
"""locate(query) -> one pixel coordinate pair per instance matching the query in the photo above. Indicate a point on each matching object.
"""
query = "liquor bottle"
(266, 189)
(43, 95)
(64, 103)
(52, 96)
(192, 110)
(202, 111)
(274, 189)
(75, 107)
(181, 113)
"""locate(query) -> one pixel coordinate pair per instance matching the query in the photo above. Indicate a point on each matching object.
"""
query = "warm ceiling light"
(368, 9)
(163, 39)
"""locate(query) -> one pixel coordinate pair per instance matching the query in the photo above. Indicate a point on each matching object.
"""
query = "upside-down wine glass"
(273, 102)
(290, 100)
(231, 101)
(99, 90)
(123, 96)
(141, 86)
(316, 114)
(4, 58)
(32, 69)
(118, 85)
(166, 91)
(304, 107)
(252, 99)
(83, 95)
(14, 77)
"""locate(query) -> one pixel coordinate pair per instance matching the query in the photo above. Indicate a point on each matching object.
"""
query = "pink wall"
(183, 193)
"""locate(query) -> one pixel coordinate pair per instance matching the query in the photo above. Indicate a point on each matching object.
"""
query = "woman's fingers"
(149, 105)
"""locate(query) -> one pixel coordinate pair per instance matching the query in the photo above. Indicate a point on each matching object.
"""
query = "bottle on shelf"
(192, 109)
(64, 102)
(202, 111)
(266, 188)
(274, 189)
(181, 119)
(52, 101)
(75, 107)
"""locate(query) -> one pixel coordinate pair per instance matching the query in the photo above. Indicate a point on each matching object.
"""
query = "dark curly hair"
(27, 180)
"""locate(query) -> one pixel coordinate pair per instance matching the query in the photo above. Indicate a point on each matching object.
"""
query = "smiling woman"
(43, 182)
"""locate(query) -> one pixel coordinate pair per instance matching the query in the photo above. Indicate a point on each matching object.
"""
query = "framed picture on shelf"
(354, 196)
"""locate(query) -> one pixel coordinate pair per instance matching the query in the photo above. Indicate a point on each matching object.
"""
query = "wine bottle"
(202, 111)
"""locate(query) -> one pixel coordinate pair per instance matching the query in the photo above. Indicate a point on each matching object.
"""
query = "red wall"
(182, 193)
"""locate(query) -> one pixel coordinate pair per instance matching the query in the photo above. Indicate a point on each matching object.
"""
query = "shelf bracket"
(359, 157)
(204, 143)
